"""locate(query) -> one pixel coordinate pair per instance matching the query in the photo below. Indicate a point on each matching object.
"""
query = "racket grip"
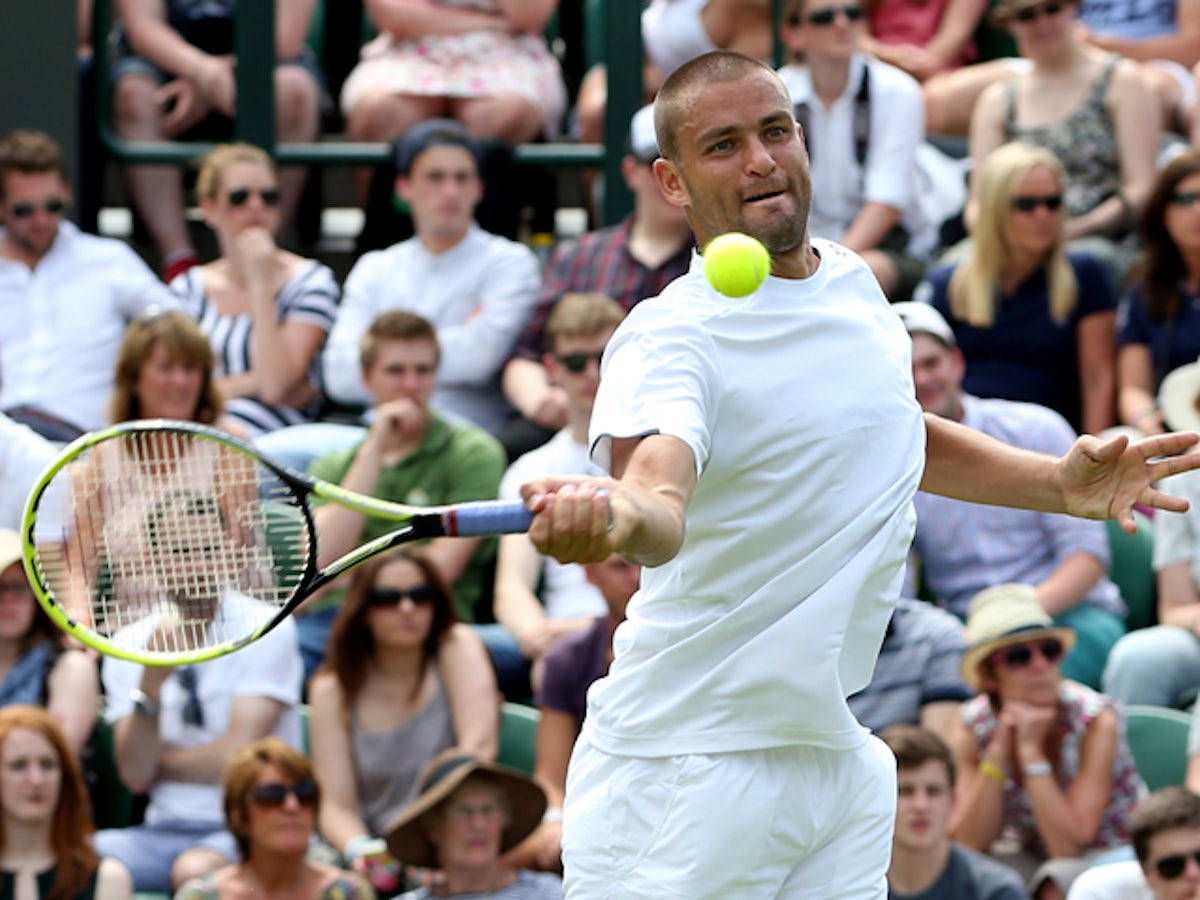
(488, 517)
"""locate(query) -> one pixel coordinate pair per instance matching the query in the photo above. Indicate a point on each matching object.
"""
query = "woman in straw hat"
(1044, 759)
(468, 814)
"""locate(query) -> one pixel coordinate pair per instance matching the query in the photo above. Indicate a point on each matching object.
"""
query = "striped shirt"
(311, 296)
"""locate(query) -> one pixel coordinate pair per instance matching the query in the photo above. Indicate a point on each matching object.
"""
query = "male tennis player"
(765, 452)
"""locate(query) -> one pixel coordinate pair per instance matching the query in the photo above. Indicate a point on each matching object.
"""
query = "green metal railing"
(254, 122)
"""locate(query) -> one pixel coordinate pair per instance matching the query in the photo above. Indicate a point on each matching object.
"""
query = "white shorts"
(786, 822)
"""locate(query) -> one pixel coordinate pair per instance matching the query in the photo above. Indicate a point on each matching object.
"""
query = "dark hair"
(396, 325)
(30, 153)
(241, 773)
(351, 644)
(434, 133)
(1160, 266)
(1167, 808)
(914, 746)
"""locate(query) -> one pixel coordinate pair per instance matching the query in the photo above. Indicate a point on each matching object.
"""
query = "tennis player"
(765, 452)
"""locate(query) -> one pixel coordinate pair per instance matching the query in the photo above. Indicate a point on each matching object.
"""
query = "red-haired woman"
(45, 816)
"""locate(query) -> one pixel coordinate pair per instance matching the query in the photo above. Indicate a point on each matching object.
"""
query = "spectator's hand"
(398, 424)
(1031, 724)
(302, 395)
(181, 104)
(548, 846)
(215, 82)
(917, 61)
(256, 257)
(551, 409)
(381, 870)
(536, 640)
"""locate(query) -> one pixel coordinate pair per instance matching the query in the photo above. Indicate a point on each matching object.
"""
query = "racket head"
(167, 543)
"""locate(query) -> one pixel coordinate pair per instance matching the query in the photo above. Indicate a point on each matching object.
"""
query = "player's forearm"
(1069, 583)
(656, 524)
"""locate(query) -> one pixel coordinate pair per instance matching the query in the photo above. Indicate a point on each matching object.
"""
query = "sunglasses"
(1018, 656)
(193, 711)
(1185, 198)
(577, 362)
(1029, 202)
(1171, 867)
(55, 206)
(275, 794)
(827, 15)
(1033, 13)
(241, 196)
(420, 595)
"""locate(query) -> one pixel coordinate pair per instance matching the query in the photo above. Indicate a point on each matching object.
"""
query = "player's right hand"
(577, 518)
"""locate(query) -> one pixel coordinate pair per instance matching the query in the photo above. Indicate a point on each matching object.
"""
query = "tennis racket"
(169, 543)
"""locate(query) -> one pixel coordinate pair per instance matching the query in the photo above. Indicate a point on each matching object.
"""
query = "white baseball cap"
(643, 141)
(922, 318)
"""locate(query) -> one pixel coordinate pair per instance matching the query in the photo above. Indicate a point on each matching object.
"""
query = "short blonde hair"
(212, 169)
(582, 315)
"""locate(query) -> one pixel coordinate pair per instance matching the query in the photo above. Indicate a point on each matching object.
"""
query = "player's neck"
(913, 872)
(801, 262)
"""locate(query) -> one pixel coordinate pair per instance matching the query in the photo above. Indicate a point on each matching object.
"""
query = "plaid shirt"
(598, 262)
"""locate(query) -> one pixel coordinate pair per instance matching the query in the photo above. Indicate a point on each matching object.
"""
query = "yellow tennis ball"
(736, 264)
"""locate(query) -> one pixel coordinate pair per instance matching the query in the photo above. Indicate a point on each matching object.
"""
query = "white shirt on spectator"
(61, 324)
(1112, 881)
(479, 295)
(24, 455)
(1177, 538)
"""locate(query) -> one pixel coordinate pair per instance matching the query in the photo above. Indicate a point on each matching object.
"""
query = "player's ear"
(670, 182)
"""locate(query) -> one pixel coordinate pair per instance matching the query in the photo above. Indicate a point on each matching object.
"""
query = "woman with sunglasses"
(1035, 322)
(402, 682)
(1160, 315)
(270, 808)
(1043, 760)
(265, 311)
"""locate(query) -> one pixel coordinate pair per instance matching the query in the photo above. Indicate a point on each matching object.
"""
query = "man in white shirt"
(478, 289)
(765, 452)
(65, 297)
(24, 455)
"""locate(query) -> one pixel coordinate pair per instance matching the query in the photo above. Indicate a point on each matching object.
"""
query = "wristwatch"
(1042, 767)
(143, 703)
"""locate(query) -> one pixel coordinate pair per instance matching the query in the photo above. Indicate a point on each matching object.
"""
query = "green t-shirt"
(456, 462)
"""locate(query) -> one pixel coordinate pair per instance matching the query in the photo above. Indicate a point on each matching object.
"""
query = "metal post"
(623, 56)
(254, 49)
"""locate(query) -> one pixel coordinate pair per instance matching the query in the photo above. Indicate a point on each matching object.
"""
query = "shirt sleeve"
(142, 288)
(478, 465)
(1134, 325)
(1174, 534)
(272, 665)
(897, 128)
(1096, 292)
(340, 361)
(946, 639)
(314, 299)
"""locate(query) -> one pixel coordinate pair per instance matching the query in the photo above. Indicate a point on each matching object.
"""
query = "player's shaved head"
(679, 91)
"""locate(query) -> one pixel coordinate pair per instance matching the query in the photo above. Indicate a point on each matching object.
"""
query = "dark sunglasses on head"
(419, 595)
(577, 362)
(1171, 867)
(827, 15)
(193, 711)
(276, 794)
(56, 206)
(1018, 656)
(1030, 202)
(1185, 198)
(1032, 13)
(240, 196)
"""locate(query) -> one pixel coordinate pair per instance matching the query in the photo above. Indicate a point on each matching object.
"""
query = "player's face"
(403, 370)
(443, 188)
(33, 207)
(282, 828)
(1182, 217)
(617, 580)
(168, 387)
(575, 364)
(923, 805)
(248, 197)
(16, 604)
(742, 164)
(1165, 850)
(401, 606)
(469, 828)
(30, 777)
(1032, 232)
(937, 375)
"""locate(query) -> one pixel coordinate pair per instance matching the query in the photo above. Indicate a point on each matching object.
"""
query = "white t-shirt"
(798, 404)
(566, 593)
(24, 454)
(269, 667)
(1112, 881)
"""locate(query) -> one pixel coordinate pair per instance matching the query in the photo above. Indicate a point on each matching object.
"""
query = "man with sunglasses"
(65, 297)
(963, 548)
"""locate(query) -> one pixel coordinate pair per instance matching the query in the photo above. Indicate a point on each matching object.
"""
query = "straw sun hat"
(1178, 396)
(1003, 615)
(407, 835)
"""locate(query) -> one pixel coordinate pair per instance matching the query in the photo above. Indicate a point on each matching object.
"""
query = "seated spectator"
(1160, 321)
(402, 683)
(410, 454)
(863, 121)
(926, 864)
(570, 668)
(270, 808)
(964, 547)
(1034, 321)
(37, 668)
(265, 311)
(173, 70)
(1165, 829)
(65, 296)
(1044, 760)
(45, 816)
(468, 814)
(174, 729)
(539, 600)
(923, 38)
(917, 677)
(628, 262)
(476, 288)
(24, 455)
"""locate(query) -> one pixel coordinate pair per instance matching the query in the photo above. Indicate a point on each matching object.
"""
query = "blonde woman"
(1035, 322)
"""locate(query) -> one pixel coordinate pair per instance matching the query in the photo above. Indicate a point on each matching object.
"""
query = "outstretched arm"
(1095, 480)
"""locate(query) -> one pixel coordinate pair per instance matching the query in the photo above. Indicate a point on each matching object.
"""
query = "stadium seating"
(1158, 738)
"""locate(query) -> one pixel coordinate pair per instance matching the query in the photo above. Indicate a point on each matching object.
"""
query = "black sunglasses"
(56, 206)
(827, 15)
(1185, 198)
(1018, 656)
(577, 362)
(1032, 13)
(241, 196)
(1171, 867)
(193, 711)
(1030, 202)
(276, 794)
(419, 595)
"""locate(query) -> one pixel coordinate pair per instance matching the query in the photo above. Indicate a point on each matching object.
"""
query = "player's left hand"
(1103, 480)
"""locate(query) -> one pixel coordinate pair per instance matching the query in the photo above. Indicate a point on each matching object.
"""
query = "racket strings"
(170, 542)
